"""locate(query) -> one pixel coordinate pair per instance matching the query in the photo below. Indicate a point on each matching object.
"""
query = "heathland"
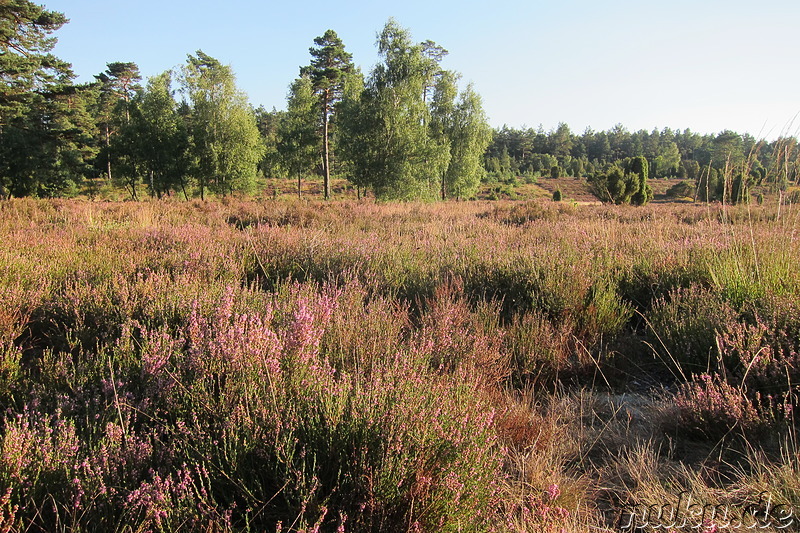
(358, 366)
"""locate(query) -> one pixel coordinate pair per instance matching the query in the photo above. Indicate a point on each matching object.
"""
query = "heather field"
(364, 367)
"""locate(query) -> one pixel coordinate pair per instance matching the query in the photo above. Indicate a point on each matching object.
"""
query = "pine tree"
(27, 66)
(330, 65)
(46, 132)
(118, 84)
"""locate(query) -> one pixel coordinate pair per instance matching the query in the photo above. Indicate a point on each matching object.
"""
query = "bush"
(685, 325)
(557, 195)
(683, 189)
(711, 408)
(625, 184)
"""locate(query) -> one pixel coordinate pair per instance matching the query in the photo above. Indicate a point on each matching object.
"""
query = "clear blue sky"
(706, 65)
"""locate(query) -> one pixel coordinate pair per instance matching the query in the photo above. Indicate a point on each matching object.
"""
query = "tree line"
(714, 166)
(403, 130)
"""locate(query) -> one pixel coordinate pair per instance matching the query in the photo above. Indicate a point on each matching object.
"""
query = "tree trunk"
(108, 151)
(326, 167)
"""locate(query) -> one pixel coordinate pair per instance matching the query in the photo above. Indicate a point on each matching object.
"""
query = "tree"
(330, 65)
(682, 189)
(46, 132)
(727, 151)
(27, 69)
(160, 138)
(443, 112)
(297, 139)
(667, 162)
(400, 158)
(623, 184)
(118, 84)
(268, 124)
(225, 140)
(638, 166)
(561, 141)
(356, 124)
(469, 136)
(48, 150)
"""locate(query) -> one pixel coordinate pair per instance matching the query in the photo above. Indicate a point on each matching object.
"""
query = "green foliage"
(557, 196)
(682, 189)
(161, 138)
(268, 123)
(684, 327)
(26, 63)
(117, 86)
(226, 143)
(669, 153)
(468, 136)
(329, 67)
(46, 131)
(47, 151)
(623, 184)
(297, 131)
(399, 157)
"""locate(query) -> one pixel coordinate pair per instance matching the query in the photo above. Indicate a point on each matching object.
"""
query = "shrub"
(684, 328)
(625, 184)
(709, 407)
(539, 350)
(765, 346)
(682, 189)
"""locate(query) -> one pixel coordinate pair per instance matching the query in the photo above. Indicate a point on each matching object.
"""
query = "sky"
(706, 65)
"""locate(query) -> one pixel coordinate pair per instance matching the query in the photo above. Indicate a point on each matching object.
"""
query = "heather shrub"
(521, 214)
(365, 329)
(684, 328)
(651, 278)
(554, 286)
(18, 298)
(766, 345)
(539, 350)
(384, 444)
(10, 357)
(456, 339)
(41, 458)
(682, 189)
(710, 407)
(364, 367)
